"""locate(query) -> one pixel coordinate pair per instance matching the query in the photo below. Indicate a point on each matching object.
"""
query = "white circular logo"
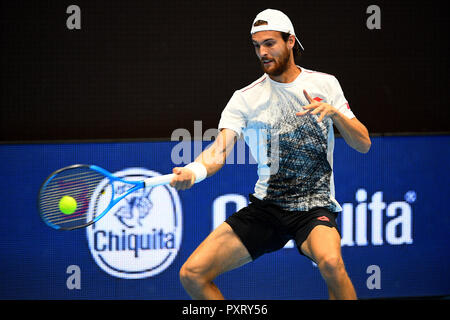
(141, 235)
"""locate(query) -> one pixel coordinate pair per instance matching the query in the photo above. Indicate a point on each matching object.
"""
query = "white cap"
(276, 21)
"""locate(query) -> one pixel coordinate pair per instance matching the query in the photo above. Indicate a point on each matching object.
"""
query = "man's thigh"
(322, 241)
(221, 251)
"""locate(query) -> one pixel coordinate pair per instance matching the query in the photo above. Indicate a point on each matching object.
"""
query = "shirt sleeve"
(233, 115)
(338, 99)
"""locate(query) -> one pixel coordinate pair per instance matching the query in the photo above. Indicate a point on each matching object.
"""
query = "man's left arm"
(352, 130)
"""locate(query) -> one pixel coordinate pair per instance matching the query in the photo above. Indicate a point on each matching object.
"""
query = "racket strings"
(55, 195)
(78, 183)
(72, 181)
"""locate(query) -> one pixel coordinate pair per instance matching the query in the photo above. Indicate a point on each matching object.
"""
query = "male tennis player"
(293, 108)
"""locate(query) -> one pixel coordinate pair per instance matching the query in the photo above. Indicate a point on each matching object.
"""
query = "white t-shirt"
(294, 153)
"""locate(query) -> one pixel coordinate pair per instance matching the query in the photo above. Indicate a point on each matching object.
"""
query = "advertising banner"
(394, 224)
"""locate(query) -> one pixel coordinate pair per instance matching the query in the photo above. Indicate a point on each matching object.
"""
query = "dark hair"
(296, 49)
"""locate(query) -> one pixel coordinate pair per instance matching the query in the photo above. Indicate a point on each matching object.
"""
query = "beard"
(280, 64)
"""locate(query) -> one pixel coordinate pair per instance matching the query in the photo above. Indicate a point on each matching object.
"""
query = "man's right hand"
(184, 178)
(213, 158)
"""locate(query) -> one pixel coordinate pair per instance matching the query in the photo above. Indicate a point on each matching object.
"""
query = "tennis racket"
(65, 196)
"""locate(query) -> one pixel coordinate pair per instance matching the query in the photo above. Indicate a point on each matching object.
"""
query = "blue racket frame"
(137, 185)
(149, 182)
(113, 201)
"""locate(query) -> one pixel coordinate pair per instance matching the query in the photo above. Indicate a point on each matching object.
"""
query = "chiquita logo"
(141, 235)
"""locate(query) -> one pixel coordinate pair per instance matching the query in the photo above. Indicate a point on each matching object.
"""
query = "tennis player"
(293, 109)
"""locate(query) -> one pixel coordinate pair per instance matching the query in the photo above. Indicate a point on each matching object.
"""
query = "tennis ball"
(67, 205)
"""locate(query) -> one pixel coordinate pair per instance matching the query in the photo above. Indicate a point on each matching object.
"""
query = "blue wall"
(395, 218)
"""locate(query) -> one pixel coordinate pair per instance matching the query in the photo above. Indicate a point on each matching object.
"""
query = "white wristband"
(198, 169)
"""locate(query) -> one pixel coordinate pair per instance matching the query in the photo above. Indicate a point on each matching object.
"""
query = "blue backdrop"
(395, 226)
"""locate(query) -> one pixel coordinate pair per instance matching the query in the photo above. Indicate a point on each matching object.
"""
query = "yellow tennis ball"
(67, 205)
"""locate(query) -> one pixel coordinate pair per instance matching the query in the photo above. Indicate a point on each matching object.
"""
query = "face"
(272, 51)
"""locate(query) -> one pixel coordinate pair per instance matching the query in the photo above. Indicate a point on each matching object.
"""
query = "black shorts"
(264, 227)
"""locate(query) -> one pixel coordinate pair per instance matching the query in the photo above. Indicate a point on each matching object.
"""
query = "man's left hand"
(315, 107)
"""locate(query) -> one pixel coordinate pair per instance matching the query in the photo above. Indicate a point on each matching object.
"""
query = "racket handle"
(159, 180)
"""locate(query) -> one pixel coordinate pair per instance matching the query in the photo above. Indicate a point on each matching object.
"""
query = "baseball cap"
(276, 21)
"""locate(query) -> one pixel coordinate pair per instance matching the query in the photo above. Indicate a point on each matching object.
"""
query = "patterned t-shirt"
(294, 153)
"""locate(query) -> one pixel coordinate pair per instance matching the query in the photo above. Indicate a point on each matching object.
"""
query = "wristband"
(198, 169)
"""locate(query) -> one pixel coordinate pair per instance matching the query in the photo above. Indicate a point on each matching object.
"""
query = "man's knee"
(331, 266)
(191, 277)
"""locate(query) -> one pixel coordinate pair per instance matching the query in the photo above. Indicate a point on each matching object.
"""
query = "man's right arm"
(213, 159)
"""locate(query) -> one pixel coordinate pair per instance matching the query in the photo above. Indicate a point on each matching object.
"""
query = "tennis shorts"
(264, 227)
